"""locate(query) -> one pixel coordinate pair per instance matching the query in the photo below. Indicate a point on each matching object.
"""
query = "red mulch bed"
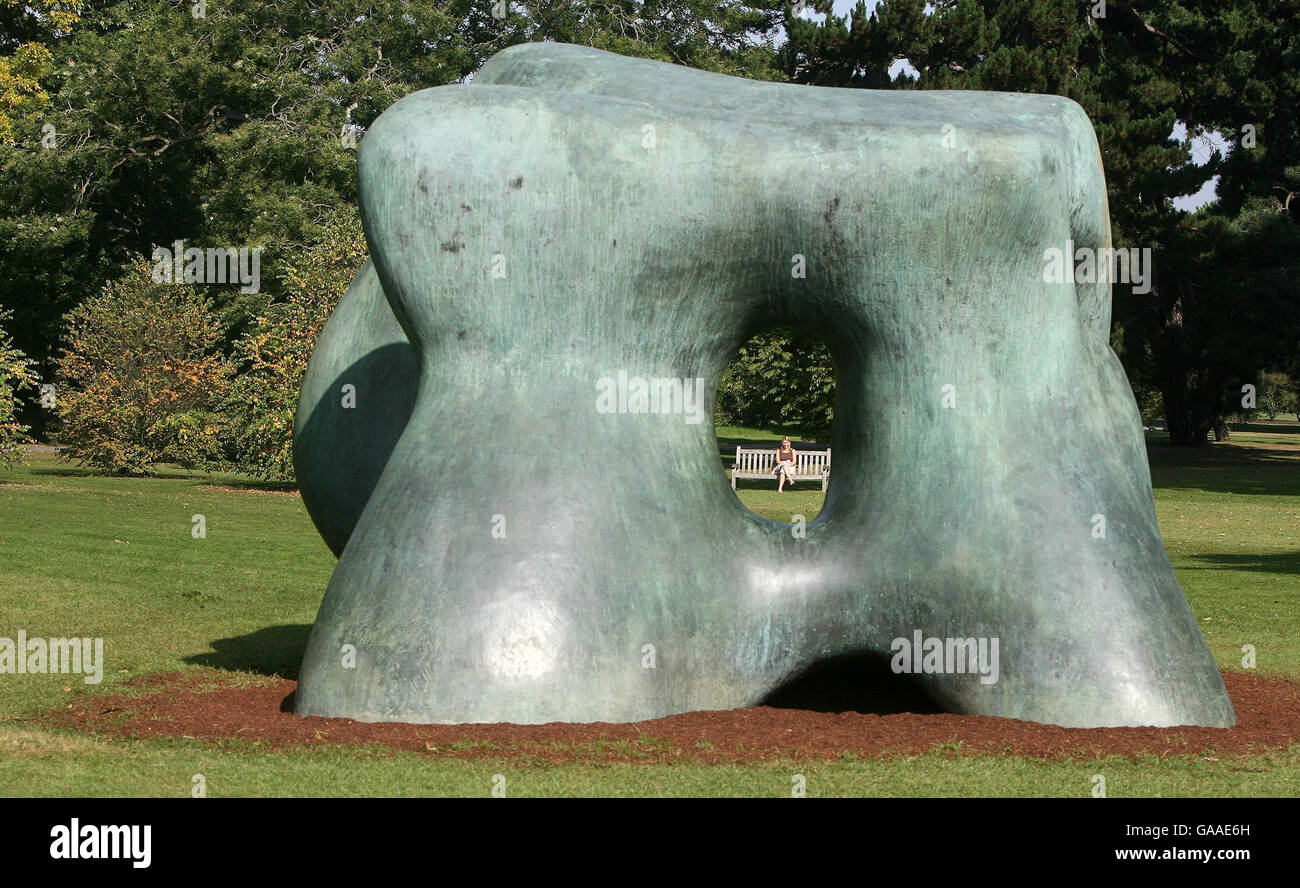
(202, 704)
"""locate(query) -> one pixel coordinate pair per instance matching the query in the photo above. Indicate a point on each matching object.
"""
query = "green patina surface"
(574, 214)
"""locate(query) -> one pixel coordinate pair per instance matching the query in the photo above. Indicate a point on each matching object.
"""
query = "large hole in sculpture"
(852, 683)
(781, 383)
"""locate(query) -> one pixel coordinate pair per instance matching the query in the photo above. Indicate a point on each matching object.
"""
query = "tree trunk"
(1220, 429)
(1189, 422)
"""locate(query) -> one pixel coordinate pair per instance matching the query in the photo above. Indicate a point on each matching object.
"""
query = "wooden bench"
(754, 462)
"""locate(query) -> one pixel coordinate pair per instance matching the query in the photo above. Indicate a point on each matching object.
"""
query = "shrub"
(1276, 394)
(272, 356)
(16, 374)
(140, 378)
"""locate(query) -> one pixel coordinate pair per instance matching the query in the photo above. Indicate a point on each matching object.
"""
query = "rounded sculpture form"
(528, 507)
(356, 398)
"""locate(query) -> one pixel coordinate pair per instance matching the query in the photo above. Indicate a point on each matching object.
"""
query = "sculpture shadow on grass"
(274, 650)
(161, 474)
(1276, 563)
(1264, 475)
(252, 485)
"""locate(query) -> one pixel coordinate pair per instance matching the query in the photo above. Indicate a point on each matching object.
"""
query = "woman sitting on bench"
(784, 465)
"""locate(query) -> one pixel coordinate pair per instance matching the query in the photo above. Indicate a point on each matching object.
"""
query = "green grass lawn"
(86, 554)
(41, 763)
(1230, 517)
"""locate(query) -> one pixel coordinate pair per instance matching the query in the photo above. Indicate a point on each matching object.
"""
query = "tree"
(780, 379)
(1234, 309)
(140, 379)
(225, 130)
(1224, 316)
(1276, 394)
(16, 375)
(26, 26)
(1223, 299)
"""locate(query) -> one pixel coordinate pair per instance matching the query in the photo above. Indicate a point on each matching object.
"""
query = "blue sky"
(843, 6)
